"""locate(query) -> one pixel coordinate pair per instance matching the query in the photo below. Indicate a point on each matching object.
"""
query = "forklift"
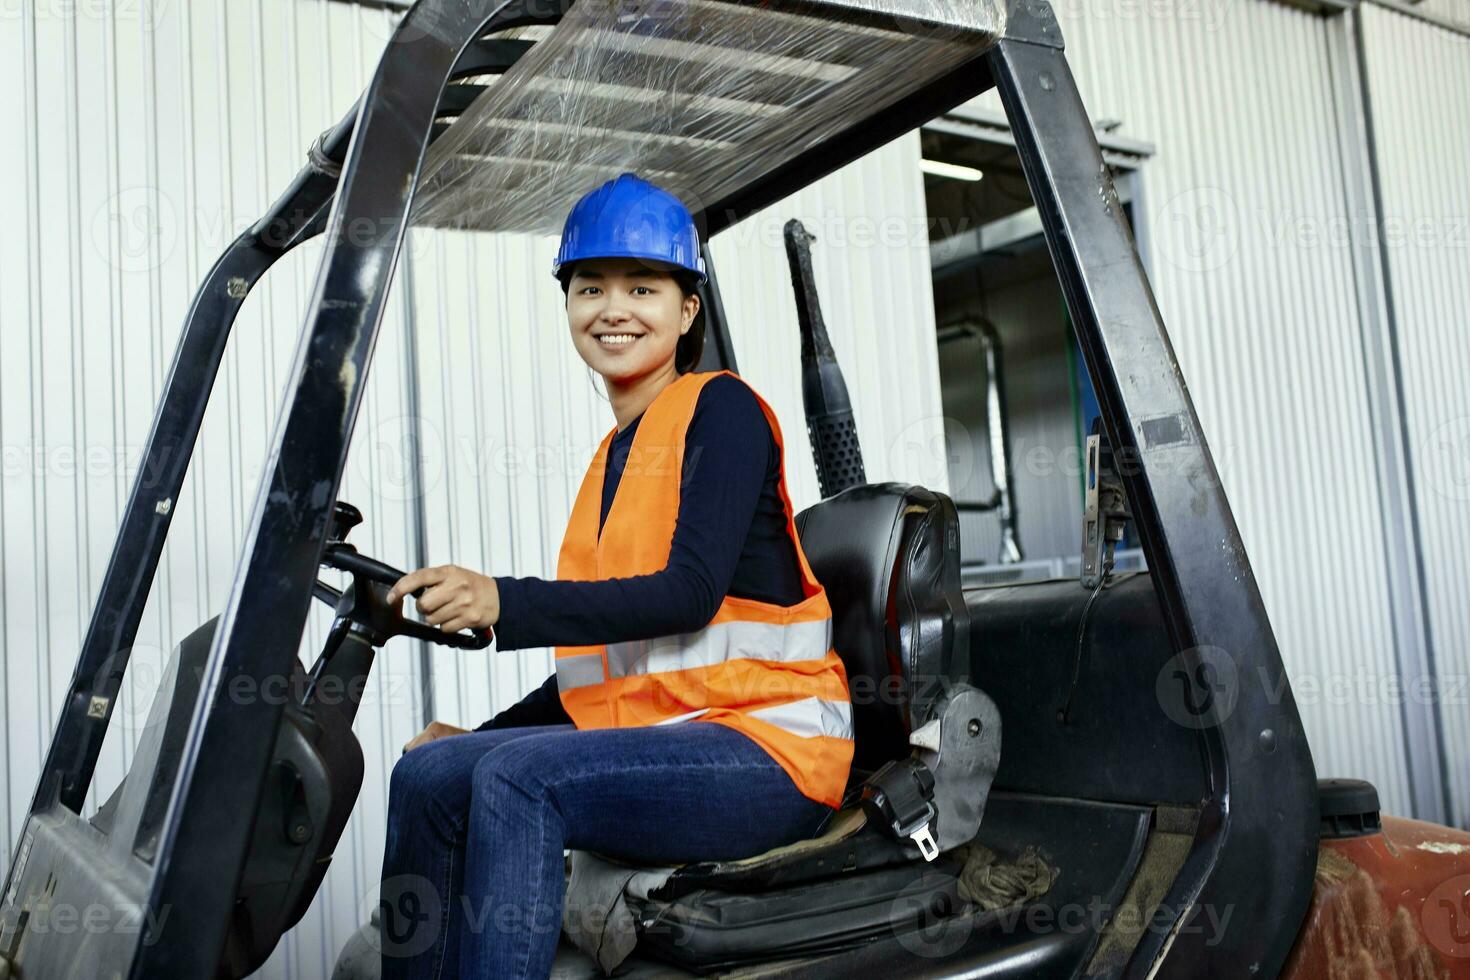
(1153, 764)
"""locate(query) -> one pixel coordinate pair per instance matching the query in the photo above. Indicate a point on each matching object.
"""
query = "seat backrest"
(888, 555)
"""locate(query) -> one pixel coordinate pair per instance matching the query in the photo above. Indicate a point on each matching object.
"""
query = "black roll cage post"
(1255, 842)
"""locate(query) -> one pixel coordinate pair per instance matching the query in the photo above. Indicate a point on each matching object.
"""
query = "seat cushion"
(888, 556)
(848, 844)
(711, 929)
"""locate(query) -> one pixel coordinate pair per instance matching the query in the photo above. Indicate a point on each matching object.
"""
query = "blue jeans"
(473, 870)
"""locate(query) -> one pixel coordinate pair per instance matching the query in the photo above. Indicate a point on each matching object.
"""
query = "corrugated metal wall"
(1454, 11)
(136, 149)
(141, 147)
(1241, 203)
(1422, 121)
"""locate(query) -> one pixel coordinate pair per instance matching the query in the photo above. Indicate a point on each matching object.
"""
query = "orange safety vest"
(766, 670)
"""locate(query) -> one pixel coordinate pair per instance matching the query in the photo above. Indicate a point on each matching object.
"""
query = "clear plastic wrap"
(702, 97)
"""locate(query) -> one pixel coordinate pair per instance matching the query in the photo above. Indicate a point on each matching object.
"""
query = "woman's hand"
(436, 729)
(454, 598)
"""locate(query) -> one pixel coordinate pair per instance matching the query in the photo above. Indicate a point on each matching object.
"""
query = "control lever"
(829, 419)
(901, 797)
(1105, 518)
(345, 517)
(1105, 513)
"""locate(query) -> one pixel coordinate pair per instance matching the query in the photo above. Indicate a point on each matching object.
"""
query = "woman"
(697, 711)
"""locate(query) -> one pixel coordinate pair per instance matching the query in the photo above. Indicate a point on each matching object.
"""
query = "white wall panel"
(204, 115)
(143, 138)
(1422, 123)
(871, 264)
(1245, 213)
(140, 145)
(1245, 205)
(1454, 11)
(510, 419)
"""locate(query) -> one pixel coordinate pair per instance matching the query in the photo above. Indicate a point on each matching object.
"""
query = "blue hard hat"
(628, 217)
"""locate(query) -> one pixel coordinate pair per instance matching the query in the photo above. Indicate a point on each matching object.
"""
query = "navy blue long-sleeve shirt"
(730, 539)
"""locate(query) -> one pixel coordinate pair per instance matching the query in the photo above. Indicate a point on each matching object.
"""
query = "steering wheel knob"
(345, 517)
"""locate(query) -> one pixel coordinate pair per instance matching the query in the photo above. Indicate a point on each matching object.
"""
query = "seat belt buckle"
(900, 797)
(925, 840)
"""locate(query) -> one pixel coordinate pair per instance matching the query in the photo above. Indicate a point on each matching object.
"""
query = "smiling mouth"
(617, 339)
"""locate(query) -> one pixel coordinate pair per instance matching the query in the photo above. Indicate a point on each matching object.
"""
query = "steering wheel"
(364, 605)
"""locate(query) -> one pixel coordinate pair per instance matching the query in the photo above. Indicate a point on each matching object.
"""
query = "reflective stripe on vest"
(768, 671)
(718, 643)
(809, 717)
(579, 670)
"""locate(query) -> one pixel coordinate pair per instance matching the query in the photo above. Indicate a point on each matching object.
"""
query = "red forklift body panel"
(1394, 904)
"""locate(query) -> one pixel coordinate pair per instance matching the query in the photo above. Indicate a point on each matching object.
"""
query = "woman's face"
(626, 318)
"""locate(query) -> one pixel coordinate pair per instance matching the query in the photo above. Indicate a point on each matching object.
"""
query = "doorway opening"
(1017, 401)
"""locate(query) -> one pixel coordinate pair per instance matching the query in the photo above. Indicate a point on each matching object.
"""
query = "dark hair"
(691, 345)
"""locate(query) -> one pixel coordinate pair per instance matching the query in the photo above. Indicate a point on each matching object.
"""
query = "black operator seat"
(888, 556)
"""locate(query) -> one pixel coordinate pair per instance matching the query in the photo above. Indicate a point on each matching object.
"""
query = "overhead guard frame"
(1255, 843)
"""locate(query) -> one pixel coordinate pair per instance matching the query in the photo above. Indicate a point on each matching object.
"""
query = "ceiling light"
(952, 170)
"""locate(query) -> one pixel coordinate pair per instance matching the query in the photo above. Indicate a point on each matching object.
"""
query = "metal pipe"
(1003, 498)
